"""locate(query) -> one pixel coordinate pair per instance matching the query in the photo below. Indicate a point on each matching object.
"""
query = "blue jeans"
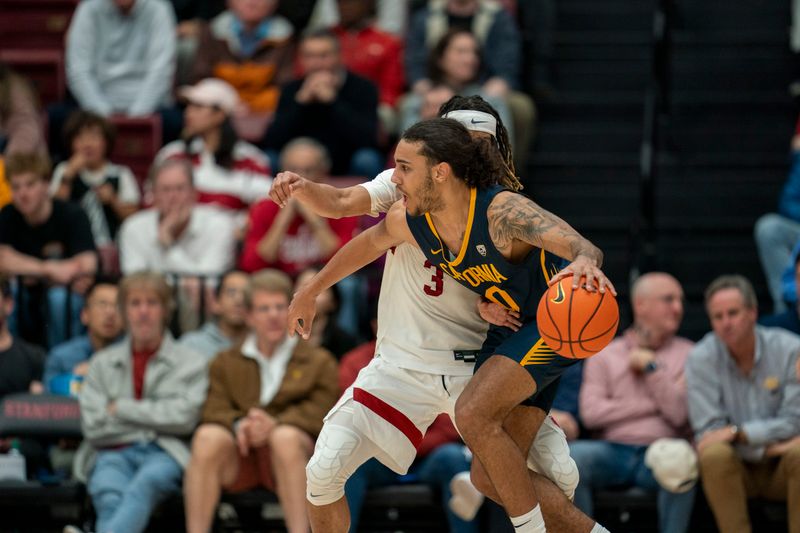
(39, 320)
(127, 484)
(435, 469)
(605, 464)
(776, 237)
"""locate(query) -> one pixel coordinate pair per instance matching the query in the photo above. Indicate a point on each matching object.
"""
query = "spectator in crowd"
(372, 53)
(176, 235)
(634, 394)
(228, 173)
(391, 16)
(103, 324)
(497, 35)
(229, 325)
(790, 318)
(778, 237)
(294, 238)
(139, 404)
(333, 106)
(440, 457)
(108, 193)
(265, 405)
(5, 189)
(744, 406)
(120, 59)
(326, 331)
(250, 47)
(455, 63)
(21, 128)
(21, 366)
(45, 242)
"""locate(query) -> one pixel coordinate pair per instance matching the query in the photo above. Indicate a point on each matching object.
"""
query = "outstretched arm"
(321, 198)
(359, 252)
(513, 217)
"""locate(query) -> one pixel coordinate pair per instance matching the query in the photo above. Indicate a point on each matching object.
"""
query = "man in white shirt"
(176, 235)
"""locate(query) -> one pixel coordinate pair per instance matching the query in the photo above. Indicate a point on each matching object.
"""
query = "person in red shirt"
(372, 53)
(294, 238)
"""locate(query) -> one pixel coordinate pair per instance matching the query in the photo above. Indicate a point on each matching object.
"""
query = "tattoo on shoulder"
(513, 216)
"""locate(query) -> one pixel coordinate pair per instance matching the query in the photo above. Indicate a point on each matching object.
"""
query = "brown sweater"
(308, 390)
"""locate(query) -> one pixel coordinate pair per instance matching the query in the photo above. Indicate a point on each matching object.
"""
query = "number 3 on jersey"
(437, 281)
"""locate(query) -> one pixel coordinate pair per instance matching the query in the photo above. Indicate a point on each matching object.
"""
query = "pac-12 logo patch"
(559, 294)
(481, 249)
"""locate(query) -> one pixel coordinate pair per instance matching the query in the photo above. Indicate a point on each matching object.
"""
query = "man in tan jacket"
(266, 401)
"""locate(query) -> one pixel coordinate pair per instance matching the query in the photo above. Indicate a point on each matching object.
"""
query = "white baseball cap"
(211, 92)
(673, 463)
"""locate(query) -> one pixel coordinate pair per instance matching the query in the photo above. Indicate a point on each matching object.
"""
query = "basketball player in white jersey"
(428, 334)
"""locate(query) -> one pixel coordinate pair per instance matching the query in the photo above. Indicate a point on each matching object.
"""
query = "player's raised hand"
(584, 267)
(284, 186)
(301, 313)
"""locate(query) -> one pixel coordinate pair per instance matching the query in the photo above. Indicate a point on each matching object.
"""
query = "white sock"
(598, 528)
(530, 522)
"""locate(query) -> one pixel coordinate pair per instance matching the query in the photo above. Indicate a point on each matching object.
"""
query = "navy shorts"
(527, 348)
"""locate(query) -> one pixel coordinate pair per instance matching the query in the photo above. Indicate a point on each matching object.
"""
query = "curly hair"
(475, 161)
(476, 103)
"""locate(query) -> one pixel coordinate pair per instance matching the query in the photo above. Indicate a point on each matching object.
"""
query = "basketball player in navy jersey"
(486, 239)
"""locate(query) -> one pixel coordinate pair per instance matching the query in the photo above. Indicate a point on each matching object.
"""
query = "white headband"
(475, 120)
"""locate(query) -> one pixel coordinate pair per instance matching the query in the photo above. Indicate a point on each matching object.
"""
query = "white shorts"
(394, 407)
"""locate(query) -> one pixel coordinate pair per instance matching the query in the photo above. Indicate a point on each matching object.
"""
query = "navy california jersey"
(481, 267)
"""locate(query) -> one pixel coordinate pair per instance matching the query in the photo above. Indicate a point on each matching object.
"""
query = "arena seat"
(138, 141)
(35, 24)
(43, 68)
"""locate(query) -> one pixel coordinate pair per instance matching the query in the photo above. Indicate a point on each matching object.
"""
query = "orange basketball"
(576, 323)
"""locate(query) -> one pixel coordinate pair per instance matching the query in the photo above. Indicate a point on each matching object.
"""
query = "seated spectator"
(391, 16)
(176, 235)
(120, 59)
(139, 404)
(265, 405)
(326, 331)
(108, 193)
(372, 53)
(21, 128)
(228, 173)
(48, 243)
(778, 234)
(229, 325)
(333, 106)
(744, 406)
(103, 324)
(250, 47)
(440, 458)
(790, 318)
(294, 238)
(21, 366)
(455, 63)
(497, 35)
(634, 394)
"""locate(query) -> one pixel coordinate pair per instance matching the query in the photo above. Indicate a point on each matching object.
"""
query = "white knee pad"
(339, 452)
(549, 456)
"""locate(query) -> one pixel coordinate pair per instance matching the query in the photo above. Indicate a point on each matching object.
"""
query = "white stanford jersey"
(423, 315)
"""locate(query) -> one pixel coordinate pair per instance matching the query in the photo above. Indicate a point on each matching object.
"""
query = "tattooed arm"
(515, 219)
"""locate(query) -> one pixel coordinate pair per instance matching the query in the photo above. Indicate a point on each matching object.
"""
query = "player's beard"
(429, 199)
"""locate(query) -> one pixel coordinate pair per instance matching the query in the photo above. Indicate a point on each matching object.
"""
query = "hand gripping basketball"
(576, 323)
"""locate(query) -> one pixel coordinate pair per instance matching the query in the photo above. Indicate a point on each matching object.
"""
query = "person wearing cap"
(230, 174)
(744, 406)
(633, 396)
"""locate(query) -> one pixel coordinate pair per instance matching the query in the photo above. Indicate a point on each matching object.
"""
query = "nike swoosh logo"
(473, 121)
(560, 295)
(434, 252)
